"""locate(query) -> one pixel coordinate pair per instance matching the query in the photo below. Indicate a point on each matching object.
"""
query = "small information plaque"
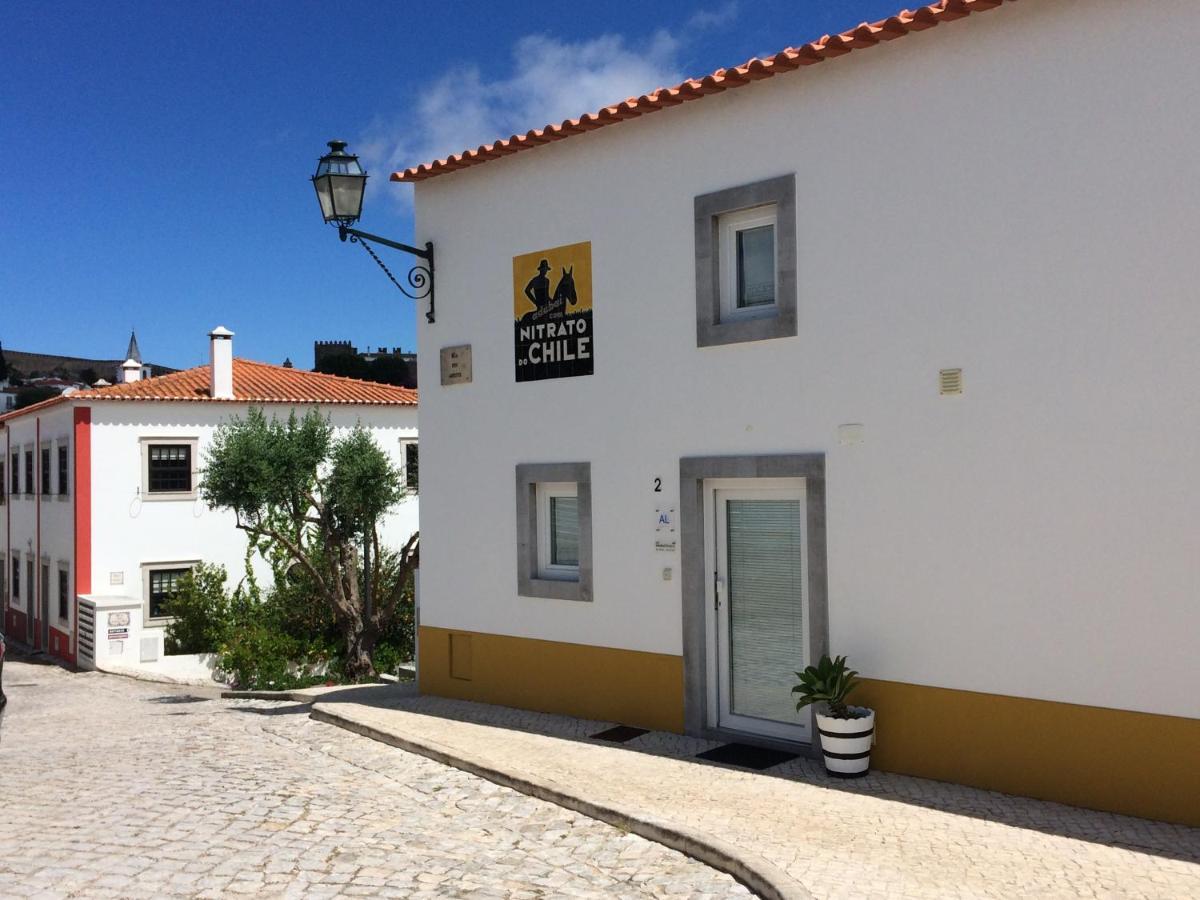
(456, 364)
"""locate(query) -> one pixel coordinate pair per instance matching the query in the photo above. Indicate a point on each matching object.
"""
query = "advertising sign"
(552, 312)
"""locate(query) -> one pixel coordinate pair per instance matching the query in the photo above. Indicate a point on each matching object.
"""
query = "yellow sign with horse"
(552, 312)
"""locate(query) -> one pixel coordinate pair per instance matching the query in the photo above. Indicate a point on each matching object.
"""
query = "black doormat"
(620, 734)
(746, 756)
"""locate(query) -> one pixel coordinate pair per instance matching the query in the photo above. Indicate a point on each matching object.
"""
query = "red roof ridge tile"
(253, 381)
(862, 36)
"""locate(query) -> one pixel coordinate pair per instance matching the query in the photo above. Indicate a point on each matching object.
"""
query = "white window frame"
(546, 491)
(730, 224)
(404, 445)
(159, 496)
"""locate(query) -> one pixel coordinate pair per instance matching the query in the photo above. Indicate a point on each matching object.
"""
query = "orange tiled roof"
(253, 382)
(830, 46)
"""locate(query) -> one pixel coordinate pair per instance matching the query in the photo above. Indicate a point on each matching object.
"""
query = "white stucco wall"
(1014, 194)
(19, 517)
(129, 530)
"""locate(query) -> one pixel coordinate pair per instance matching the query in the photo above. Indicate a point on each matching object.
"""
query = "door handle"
(719, 590)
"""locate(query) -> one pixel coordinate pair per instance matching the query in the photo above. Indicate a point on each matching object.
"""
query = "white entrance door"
(758, 610)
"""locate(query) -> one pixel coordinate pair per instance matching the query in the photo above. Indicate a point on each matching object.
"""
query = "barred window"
(170, 468)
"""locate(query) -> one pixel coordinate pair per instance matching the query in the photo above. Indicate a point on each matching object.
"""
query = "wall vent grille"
(87, 634)
(950, 382)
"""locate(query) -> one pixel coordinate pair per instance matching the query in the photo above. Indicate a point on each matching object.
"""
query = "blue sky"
(161, 150)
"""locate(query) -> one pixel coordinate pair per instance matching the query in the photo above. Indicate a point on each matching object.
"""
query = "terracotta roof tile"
(828, 47)
(253, 382)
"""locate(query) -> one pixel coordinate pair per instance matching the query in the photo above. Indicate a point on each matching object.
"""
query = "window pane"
(163, 585)
(64, 476)
(564, 531)
(756, 266)
(410, 466)
(765, 606)
(170, 468)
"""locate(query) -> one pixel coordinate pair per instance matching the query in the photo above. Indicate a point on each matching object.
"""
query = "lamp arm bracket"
(420, 276)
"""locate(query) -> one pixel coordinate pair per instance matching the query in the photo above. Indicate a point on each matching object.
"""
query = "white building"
(101, 499)
(894, 356)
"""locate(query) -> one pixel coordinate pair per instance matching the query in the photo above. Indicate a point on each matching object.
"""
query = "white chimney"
(131, 371)
(221, 357)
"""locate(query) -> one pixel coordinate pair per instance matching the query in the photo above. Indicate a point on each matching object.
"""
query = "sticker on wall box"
(552, 312)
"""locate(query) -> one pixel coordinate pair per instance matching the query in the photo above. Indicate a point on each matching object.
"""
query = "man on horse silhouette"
(538, 289)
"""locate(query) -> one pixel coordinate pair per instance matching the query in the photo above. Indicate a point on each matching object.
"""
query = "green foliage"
(201, 610)
(310, 505)
(362, 485)
(257, 466)
(828, 682)
(31, 394)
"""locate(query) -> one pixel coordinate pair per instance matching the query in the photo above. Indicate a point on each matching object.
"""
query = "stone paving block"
(222, 801)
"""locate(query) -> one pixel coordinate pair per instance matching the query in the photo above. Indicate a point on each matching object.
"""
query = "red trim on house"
(14, 624)
(60, 644)
(9, 626)
(83, 515)
(39, 598)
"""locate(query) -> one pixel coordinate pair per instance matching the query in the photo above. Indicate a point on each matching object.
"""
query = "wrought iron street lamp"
(339, 183)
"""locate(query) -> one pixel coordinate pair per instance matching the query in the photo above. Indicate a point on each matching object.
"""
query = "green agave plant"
(828, 682)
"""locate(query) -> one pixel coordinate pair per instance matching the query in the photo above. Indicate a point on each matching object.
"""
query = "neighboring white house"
(101, 509)
(895, 355)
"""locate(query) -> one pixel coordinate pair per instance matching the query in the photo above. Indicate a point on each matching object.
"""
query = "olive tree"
(309, 499)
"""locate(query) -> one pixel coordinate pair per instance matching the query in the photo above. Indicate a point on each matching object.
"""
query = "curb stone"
(762, 877)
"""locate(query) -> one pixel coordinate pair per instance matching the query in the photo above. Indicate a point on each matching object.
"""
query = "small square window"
(748, 282)
(169, 469)
(558, 531)
(746, 250)
(554, 531)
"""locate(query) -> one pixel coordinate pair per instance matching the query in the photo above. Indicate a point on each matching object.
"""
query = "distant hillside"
(34, 365)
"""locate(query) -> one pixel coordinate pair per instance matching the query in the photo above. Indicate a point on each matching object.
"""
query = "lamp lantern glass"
(340, 182)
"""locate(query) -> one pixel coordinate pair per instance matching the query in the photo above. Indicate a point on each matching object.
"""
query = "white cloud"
(714, 18)
(551, 80)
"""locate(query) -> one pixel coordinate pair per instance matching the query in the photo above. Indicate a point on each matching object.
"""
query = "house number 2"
(658, 485)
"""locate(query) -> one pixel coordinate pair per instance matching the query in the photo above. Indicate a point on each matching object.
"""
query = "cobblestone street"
(118, 788)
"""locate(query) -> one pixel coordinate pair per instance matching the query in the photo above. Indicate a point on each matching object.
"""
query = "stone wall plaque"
(456, 364)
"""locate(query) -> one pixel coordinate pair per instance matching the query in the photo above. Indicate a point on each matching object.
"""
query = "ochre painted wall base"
(627, 686)
(1127, 762)
(1140, 764)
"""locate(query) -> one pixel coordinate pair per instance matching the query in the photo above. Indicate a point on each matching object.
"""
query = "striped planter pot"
(846, 743)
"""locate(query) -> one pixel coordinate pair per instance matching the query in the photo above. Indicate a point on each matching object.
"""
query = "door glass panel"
(765, 606)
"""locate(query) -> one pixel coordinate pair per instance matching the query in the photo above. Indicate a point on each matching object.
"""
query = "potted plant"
(847, 732)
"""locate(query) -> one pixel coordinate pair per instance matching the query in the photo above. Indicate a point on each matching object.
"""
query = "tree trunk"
(360, 643)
